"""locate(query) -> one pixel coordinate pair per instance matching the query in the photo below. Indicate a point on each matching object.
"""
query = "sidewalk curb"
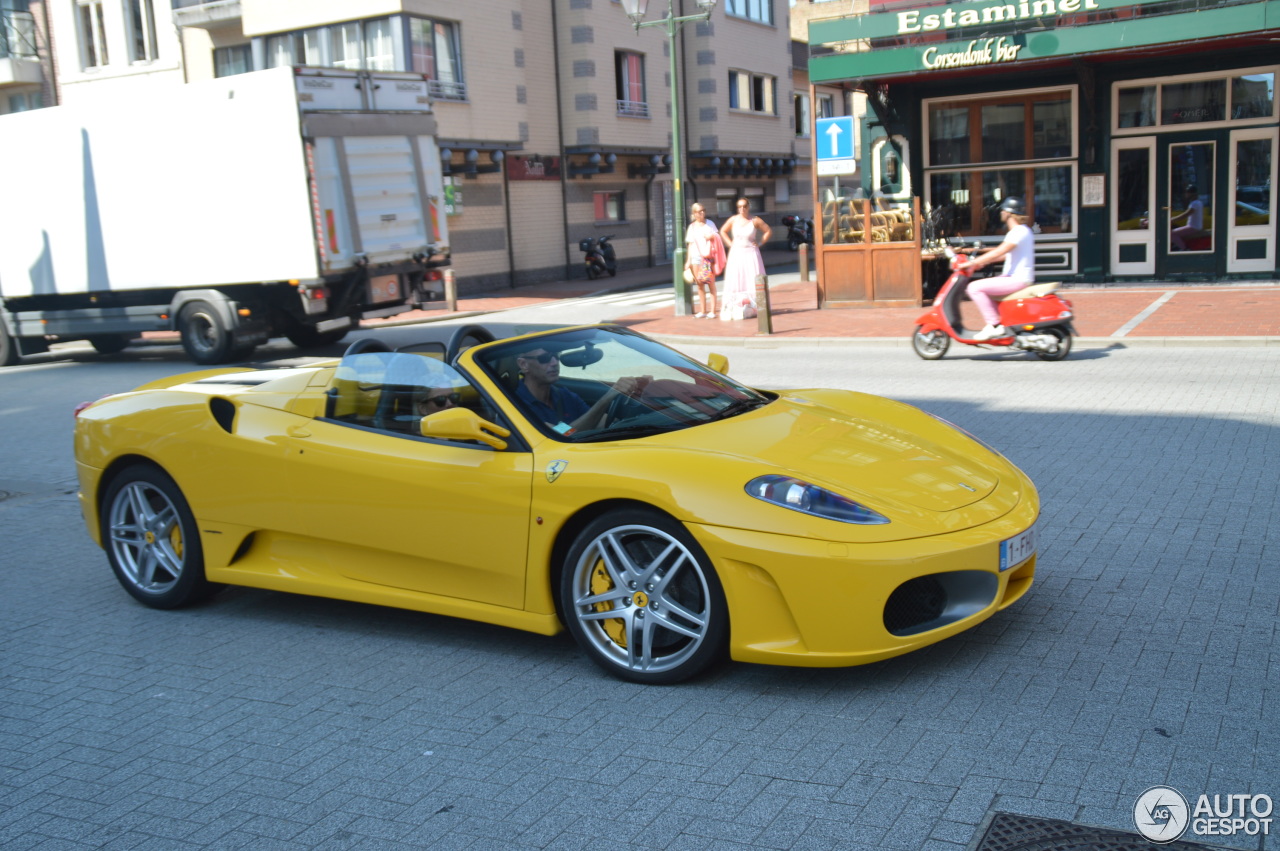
(764, 341)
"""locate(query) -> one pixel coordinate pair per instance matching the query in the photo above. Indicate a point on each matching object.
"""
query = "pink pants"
(982, 291)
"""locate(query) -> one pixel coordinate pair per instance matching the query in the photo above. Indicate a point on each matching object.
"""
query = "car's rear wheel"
(152, 541)
(642, 599)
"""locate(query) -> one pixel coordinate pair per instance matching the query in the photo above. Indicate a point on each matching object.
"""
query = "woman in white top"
(1194, 214)
(1019, 253)
(704, 249)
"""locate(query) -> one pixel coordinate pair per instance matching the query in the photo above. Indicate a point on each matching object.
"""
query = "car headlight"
(811, 499)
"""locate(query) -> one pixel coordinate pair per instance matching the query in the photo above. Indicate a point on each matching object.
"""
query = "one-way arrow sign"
(835, 138)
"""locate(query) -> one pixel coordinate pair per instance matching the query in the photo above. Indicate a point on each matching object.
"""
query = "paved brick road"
(1147, 653)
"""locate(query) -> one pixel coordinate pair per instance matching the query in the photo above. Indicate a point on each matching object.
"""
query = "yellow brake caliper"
(602, 584)
(175, 538)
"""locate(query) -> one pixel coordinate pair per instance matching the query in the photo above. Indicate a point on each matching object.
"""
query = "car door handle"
(297, 431)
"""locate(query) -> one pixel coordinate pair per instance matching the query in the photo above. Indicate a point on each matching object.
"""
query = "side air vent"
(224, 411)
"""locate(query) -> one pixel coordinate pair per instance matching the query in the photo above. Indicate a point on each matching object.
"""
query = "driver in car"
(558, 407)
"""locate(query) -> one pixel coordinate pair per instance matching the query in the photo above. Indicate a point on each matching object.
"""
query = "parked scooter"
(1039, 321)
(600, 259)
(799, 231)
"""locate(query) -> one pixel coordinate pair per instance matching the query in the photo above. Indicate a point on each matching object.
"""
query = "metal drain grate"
(1008, 832)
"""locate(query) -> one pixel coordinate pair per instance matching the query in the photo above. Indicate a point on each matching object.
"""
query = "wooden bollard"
(451, 290)
(804, 262)
(763, 316)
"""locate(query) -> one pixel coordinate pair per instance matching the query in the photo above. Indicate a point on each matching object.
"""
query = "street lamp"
(636, 10)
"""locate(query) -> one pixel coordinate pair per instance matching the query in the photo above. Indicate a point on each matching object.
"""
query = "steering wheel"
(613, 412)
(464, 338)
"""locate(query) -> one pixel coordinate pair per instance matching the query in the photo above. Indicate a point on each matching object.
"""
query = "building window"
(300, 48)
(93, 35)
(802, 115)
(434, 46)
(346, 46)
(982, 150)
(380, 46)
(610, 206)
(228, 61)
(629, 74)
(753, 10)
(22, 103)
(1176, 101)
(752, 92)
(369, 45)
(140, 20)
(826, 106)
(17, 29)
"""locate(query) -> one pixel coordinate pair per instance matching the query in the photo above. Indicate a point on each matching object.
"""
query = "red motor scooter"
(1038, 320)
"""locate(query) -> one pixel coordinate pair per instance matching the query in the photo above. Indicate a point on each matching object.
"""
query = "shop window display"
(1014, 144)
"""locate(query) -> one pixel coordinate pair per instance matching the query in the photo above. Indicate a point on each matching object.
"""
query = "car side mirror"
(719, 363)
(462, 424)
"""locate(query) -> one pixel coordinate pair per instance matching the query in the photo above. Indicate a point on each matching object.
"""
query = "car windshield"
(595, 384)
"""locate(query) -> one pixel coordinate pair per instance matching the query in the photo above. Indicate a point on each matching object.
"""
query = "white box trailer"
(289, 202)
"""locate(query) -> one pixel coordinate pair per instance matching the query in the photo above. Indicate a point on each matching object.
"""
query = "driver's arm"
(594, 417)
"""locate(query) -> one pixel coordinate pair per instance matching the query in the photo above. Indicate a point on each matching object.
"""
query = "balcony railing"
(633, 108)
(204, 14)
(17, 34)
(447, 90)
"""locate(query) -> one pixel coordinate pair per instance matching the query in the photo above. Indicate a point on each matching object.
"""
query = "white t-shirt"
(1020, 263)
(1196, 219)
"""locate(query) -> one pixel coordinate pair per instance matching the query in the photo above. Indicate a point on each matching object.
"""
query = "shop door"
(1251, 231)
(1133, 197)
(1191, 220)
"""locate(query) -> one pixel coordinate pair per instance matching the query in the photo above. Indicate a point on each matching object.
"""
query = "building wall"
(118, 73)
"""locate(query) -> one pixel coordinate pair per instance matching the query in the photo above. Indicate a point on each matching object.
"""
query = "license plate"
(1014, 551)
(384, 288)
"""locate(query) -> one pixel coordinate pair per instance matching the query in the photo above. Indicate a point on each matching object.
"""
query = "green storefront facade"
(1142, 133)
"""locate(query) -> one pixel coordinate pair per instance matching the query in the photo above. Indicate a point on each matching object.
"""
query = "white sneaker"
(698, 315)
(991, 332)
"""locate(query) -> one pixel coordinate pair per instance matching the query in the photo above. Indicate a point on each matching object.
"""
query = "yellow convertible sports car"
(585, 478)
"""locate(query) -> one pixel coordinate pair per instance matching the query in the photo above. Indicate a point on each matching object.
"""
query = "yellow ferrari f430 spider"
(585, 478)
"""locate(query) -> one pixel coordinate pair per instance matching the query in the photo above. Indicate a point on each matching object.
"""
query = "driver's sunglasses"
(440, 401)
(545, 357)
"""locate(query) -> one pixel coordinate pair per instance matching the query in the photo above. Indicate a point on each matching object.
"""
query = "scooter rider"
(1019, 254)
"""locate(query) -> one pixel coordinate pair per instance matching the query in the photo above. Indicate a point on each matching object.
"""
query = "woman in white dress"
(744, 234)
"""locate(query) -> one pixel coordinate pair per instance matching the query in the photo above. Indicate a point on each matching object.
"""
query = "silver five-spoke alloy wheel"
(642, 602)
(146, 537)
(151, 539)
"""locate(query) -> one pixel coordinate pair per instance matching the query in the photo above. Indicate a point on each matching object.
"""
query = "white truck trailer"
(289, 202)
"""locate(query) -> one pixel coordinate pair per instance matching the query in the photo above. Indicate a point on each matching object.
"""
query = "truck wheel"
(109, 344)
(306, 337)
(205, 335)
(8, 348)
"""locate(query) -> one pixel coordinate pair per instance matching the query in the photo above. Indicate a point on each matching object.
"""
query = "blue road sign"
(835, 138)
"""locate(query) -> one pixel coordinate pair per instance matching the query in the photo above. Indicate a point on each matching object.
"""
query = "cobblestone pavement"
(1147, 653)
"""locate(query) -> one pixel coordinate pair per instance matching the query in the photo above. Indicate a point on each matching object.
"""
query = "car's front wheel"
(642, 599)
(152, 541)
